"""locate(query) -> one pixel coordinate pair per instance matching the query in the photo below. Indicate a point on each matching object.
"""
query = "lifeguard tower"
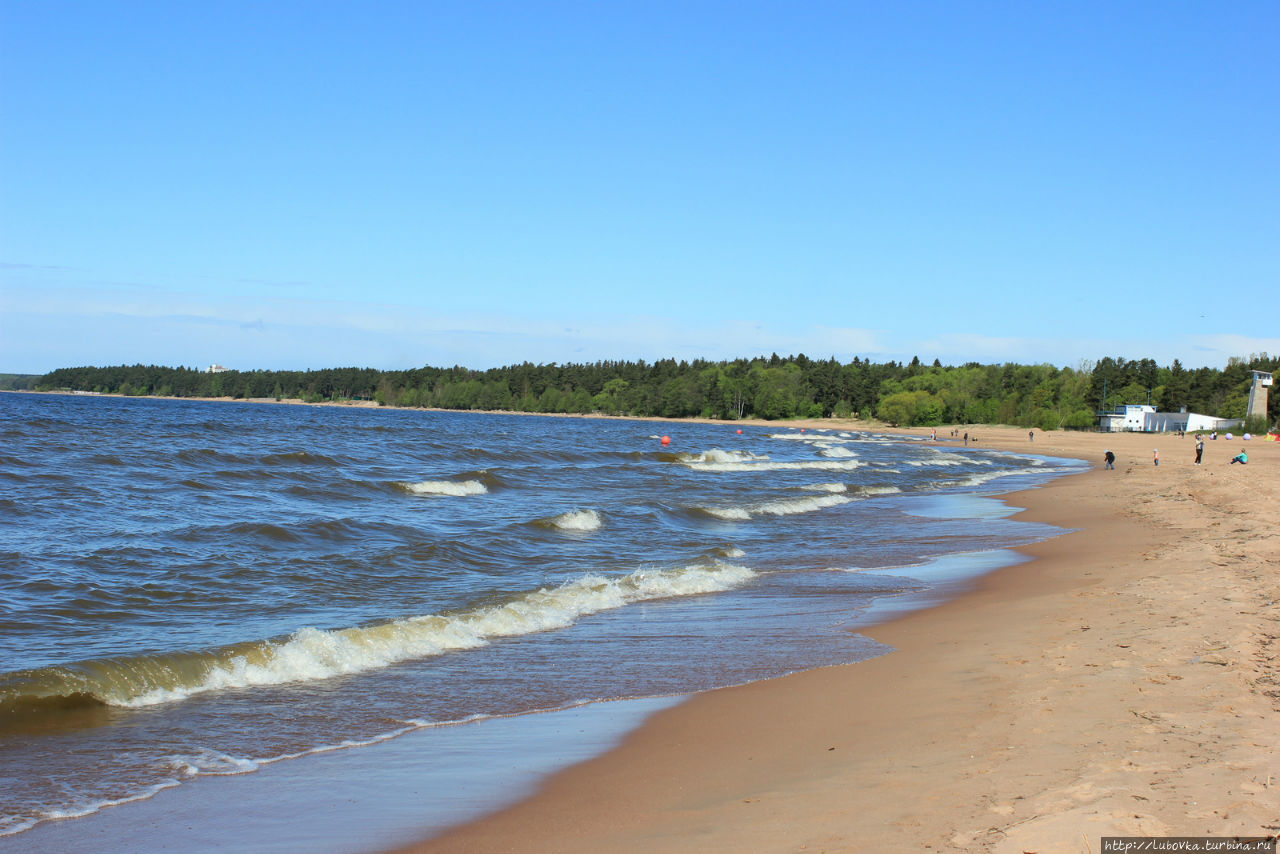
(1258, 394)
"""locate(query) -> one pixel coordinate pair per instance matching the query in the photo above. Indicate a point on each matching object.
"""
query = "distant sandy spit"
(1124, 682)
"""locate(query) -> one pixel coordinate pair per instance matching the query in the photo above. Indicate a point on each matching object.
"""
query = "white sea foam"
(731, 514)
(836, 451)
(717, 460)
(214, 763)
(792, 506)
(786, 507)
(802, 465)
(879, 490)
(987, 477)
(86, 808)
(577, 520)
(716, 456)
(446, 487)
(825, 487)
(312, 654)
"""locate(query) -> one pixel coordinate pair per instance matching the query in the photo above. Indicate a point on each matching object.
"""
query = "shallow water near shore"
(355, 800)
(211, 592)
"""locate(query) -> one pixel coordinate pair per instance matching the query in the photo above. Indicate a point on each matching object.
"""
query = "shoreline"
(802, 423)
(1123, 682)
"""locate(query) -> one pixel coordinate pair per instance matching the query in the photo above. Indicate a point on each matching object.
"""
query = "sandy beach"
(1124, 682)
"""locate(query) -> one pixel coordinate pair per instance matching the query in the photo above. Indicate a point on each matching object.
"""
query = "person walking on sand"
(1199, 448)
(1031, 435)
(1156, 456)
(1110, 459)
(1241, 458)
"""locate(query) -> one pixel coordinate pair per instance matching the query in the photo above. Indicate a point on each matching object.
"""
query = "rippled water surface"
(194, 588)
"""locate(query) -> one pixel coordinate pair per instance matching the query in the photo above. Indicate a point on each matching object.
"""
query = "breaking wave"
(446, 487)
(786, 507)
(825, 487)
(583, 521)
(717, 460)
(311, 654)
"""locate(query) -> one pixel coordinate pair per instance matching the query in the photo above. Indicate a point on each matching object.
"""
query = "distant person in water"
(1110, 459)
(1241, 458)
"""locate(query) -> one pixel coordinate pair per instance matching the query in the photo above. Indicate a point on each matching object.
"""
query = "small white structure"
(217, 369)
(1136, 418)
(1129, 418)
(1258, 394)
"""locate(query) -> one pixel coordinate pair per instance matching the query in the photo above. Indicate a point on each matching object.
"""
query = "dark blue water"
(195, 588)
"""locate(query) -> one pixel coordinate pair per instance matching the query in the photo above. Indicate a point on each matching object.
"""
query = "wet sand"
(1124, 682)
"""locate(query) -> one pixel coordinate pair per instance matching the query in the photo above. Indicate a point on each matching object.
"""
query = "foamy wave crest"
(446, 487)
(576, 520)
(312, 654)
(987, 477)
(804, 465)
(825, 487)
(793, 506)
(879, 490)
(729, 514)
(836, 452)
(787, 507)
(717, 457)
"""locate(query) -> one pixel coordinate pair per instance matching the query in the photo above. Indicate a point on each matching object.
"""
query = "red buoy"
(666, 440)
(739, 432)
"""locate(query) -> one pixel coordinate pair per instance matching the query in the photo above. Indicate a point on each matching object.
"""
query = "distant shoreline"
(803, 423)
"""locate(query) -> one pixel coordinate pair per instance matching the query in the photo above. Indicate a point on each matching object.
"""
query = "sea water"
(193, 589)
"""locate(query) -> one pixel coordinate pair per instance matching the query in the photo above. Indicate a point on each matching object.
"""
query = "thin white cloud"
(1242, 346)
(47, 327)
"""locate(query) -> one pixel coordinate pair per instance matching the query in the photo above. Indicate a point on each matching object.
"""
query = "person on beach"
(1110, 459)
(1241, 458)
(1155, 458)
(966, 439)
(1031, 435)
(1199, 448)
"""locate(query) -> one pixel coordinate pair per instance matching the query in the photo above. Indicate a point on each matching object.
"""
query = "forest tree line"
(902, 394)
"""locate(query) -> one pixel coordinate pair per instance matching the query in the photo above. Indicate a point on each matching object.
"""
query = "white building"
(1136, 418)
(217, 369)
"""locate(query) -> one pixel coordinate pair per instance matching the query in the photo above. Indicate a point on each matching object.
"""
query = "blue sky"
(383, 184)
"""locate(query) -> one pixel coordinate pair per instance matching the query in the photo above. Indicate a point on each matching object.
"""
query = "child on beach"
(1241, 458)
(1156, 457)
(1110, 459)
